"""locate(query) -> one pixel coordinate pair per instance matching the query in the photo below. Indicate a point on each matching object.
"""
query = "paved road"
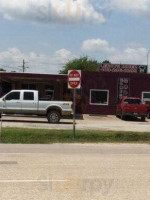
(75, 171)
(89, 123)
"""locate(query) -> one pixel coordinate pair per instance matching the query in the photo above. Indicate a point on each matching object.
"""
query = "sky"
(49, 33)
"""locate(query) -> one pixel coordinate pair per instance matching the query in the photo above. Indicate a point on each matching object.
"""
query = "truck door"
(29, 103)
(12, 103)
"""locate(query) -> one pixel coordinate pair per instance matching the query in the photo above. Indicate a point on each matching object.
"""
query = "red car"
(132, 106)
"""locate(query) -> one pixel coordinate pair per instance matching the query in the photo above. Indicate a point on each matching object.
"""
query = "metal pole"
(74, 113)
(148, 58)
(1, 128)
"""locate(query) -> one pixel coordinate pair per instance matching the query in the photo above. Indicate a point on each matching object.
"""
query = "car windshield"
(132, 101)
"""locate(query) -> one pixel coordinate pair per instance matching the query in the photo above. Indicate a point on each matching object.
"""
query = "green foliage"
(82, 63)
(2, 70)
(106, 62)
(37, 136)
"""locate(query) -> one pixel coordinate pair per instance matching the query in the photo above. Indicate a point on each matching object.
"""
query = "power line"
(7, 66)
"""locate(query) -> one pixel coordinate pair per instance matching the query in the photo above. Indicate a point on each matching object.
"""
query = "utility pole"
(23, 66)
(148, 53)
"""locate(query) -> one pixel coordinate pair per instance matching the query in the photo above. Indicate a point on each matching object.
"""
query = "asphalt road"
(75, 171)
(88, 123)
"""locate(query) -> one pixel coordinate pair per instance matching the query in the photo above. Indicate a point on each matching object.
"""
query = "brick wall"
(109, 81)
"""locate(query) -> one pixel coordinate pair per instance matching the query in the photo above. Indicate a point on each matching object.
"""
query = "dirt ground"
(87, 123)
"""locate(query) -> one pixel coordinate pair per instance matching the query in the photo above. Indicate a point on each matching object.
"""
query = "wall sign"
(106, 67)
(123, 87)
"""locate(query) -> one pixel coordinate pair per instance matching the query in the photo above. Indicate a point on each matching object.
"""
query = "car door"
(29, 103)
(12, 103)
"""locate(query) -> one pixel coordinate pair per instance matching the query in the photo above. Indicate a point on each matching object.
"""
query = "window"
(29, 86)
(132, 101)
(146, 98)
(99, 97)
(145, 95)
(49, 87)
(29, 96)
(13, 96)
(49, 94)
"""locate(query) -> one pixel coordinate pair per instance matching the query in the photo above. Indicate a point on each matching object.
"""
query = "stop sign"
(74, 79)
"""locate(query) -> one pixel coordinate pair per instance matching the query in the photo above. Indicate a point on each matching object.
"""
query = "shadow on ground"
(35, 121)
(133, 119)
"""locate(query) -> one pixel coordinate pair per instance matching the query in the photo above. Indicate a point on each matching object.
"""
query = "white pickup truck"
(27, 102)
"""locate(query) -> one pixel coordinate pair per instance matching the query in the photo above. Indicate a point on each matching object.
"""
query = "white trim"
(144, 99)
(74, 79)
(100, 104)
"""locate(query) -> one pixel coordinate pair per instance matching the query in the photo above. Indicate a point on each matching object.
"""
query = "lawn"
(36, 136)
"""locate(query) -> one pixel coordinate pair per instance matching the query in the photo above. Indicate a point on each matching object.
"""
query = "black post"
(1, 128)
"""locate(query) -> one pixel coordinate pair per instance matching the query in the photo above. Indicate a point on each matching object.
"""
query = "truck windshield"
(132, 101)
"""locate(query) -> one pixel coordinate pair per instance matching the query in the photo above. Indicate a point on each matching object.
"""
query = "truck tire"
(117, 114)
(53, 116)
(143, 118)
(122, 116)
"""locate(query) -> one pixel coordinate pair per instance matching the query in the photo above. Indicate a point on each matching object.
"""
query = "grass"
(36, 136)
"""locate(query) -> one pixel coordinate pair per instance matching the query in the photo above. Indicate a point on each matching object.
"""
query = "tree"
(106, 62)
(82, 63)
(2, 70)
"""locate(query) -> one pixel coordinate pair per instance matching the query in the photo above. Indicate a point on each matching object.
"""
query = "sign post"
(74, 82)
(1, 128)
(74, 113)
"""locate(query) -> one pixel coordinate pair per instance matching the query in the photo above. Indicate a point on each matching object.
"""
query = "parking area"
(87, 123)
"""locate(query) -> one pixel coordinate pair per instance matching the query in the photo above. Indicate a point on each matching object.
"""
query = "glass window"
(146, 95)
(29, 86)
(99, 97)
(13, 96)
(28, 96)
(132, 101)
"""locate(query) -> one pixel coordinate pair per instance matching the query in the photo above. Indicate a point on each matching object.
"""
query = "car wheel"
(143, 118)
(53, 116)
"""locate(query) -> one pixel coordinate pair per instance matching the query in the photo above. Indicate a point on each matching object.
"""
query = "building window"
(49, 92)
(28, 86)
(29, 96)
(99, 97)
(145, 95)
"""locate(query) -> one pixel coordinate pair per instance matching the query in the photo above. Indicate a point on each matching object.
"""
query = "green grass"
(34, 136)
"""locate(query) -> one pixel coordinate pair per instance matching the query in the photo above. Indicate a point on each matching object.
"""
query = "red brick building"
(99, 92)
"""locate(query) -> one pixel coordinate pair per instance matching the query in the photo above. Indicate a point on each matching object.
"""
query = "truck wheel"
(143, 118)
(122, 116)
(53, 116)
(117, 114)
